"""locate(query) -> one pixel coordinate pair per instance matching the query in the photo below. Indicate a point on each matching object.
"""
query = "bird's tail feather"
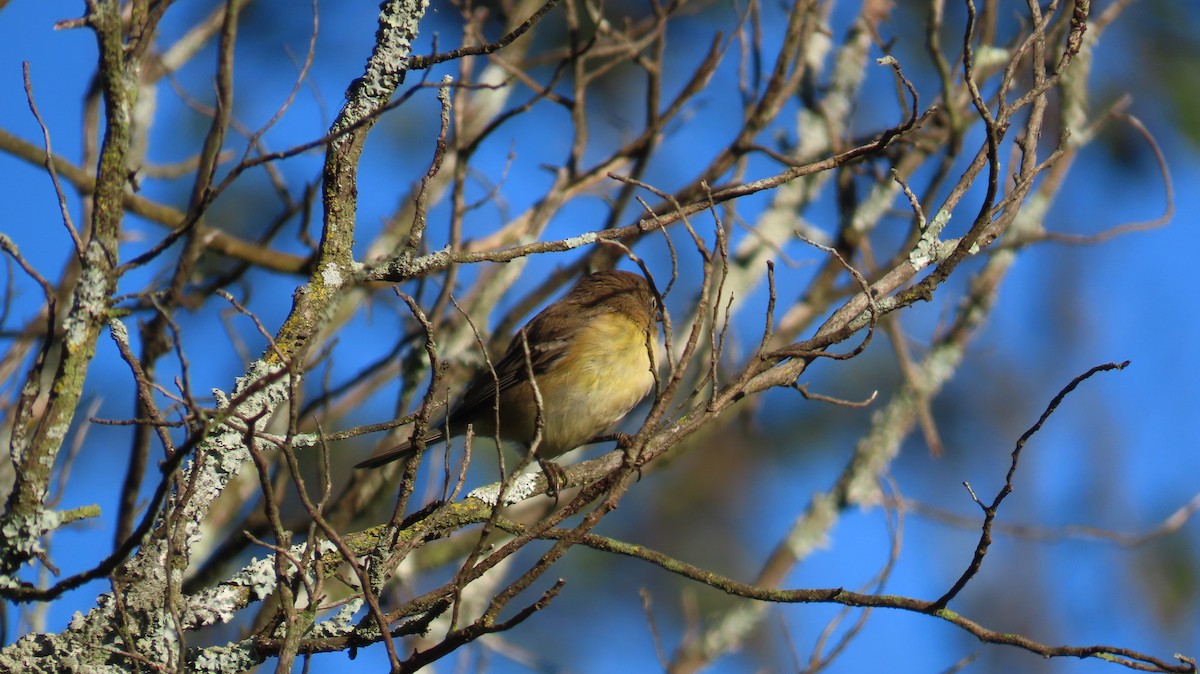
(403, 451)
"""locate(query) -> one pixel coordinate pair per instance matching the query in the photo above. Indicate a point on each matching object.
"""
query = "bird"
(592, 354)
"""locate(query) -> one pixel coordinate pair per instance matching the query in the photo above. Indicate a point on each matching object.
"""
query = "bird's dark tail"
(397, 453)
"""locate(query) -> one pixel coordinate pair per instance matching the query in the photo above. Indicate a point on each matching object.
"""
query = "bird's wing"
(512, 370)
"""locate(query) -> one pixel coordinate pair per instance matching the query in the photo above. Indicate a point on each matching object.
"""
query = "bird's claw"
(556, 477)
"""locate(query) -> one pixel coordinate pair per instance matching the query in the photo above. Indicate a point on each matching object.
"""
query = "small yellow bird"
(592, 354)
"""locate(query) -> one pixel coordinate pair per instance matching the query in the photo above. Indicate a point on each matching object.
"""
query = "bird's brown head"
(615, 291)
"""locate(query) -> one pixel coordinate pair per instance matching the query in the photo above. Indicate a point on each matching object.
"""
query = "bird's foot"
(625, 444)
(624, 440)
(556, 477)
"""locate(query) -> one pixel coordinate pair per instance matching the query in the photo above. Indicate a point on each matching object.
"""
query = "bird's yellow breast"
(603, 375)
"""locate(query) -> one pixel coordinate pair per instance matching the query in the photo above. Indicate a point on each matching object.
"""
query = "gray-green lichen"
(520, 488)
(234, 657)
(253, 582)
(21, 537)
